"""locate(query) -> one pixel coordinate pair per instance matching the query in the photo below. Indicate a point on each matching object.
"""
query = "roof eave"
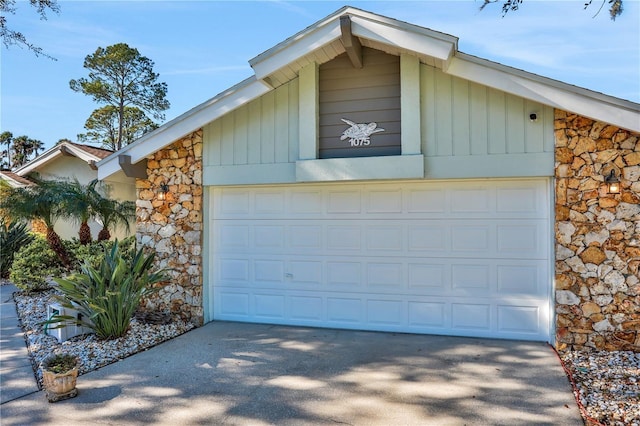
(184, 124)
(53, 153)
(367, 25)
(595, 105)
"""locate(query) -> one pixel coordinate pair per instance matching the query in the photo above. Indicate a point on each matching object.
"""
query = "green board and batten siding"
(256, 143)
(467, 131)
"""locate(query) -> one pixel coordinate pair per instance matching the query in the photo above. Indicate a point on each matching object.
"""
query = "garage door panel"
(460, 258)
(388, 200)
(428, 236)
(306, 308)
(472, 200)
(521, 279)
(345, 202)
(384, 237)
(523, 200)
(305, 237)
(504, 200)
(383, 276)
(471, 279)
(519, 319)
(482, 317)
(234, 270)
(233, 305)
(411, 237)
(305, 272)
(472, 238)
(414, 276)
(269, 306)
(344, 275)
(428, 315)
(344, 237)
(234, 236)
(428, 278)
(269, 270)
(471, 316)
(269, 202)
(305, 202)
(269, 237)
(421, 201)
(233, 203)
(344, 309)
(386, 312)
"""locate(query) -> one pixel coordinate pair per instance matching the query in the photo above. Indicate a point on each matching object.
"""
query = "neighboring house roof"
(321, 42)
(15, 180)
(87, 153)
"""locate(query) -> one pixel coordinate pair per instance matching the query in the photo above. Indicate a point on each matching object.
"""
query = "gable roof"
(321, 42)
(14, 180)
(87, 153)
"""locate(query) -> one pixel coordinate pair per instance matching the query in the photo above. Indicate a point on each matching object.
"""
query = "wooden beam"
(350, 42)
(66, 151)
(137, 170)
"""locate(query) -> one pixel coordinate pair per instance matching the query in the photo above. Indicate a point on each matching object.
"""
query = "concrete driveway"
(246, 374)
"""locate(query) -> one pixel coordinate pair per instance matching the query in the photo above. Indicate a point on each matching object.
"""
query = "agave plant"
(108, 296)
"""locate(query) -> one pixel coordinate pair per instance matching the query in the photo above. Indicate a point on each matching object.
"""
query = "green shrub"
(13, 236)
(33, 264)
(108, 295)
(95, 251)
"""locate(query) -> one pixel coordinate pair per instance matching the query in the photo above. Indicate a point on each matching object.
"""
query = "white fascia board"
(597, 106)
(263, 66)
(367, 25)
(53, 153)
(42, 159)
(284, 45)
(186, 123)
(434, 45)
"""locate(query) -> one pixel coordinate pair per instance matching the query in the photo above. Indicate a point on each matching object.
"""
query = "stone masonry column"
(173, 226)
(597, 235)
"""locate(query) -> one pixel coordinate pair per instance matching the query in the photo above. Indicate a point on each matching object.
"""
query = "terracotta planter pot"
(60, 386)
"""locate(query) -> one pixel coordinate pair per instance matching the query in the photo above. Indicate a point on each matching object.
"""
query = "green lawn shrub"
(34, 264)
(95, 251)
(13, 236)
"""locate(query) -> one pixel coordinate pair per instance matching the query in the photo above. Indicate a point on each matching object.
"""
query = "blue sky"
(201, 48)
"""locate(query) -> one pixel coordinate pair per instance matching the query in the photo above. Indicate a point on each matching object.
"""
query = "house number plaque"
(359, 134)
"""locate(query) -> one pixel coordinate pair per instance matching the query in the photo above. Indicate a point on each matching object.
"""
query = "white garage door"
(466, 258)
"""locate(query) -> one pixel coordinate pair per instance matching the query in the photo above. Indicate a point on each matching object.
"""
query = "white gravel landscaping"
(92, 352)
(607, 383)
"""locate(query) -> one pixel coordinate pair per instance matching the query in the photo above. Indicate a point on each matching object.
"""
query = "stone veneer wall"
(173, 227)
(597, 235)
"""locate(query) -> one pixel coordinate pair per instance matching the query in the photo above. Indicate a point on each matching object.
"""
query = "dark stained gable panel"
(370, 94)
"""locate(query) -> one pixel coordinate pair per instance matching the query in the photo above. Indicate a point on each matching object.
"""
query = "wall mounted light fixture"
(613, 183)
(162, 191)
(533, 117)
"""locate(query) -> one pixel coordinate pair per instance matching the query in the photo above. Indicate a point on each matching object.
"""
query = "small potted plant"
(59, 374)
